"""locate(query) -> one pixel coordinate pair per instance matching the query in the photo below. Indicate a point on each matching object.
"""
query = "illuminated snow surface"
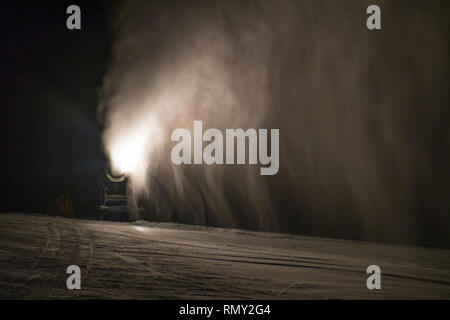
(171, 261)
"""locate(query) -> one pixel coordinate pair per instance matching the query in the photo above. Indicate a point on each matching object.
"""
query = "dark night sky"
(50, 77)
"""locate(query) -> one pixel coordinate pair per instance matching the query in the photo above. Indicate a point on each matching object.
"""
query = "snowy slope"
(169, 261)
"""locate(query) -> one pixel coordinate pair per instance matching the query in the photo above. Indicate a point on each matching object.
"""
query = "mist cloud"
(357, 111)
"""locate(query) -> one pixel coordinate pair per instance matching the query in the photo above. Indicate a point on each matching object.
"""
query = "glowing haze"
(352, 106)
(130, 144)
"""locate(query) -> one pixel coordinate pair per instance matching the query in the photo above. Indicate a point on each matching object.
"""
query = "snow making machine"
(114, 197)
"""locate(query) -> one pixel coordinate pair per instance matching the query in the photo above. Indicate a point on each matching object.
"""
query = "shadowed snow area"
(145, 260)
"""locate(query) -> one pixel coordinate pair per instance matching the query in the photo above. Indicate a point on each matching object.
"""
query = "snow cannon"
(114, 196)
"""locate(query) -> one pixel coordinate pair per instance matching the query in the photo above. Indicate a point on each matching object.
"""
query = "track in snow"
(170, 261)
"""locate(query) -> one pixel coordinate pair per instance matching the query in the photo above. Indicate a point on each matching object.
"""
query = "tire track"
(248, 253)
(24, 291)
(50, 234)
(72, 246)
(91, 254)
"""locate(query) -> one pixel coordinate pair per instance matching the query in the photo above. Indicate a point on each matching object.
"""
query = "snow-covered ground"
(170, 261)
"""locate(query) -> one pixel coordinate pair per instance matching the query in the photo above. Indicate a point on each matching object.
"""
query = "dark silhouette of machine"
(114, 197)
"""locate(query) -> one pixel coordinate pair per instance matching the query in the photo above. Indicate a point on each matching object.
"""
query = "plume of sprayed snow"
(351, 155)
